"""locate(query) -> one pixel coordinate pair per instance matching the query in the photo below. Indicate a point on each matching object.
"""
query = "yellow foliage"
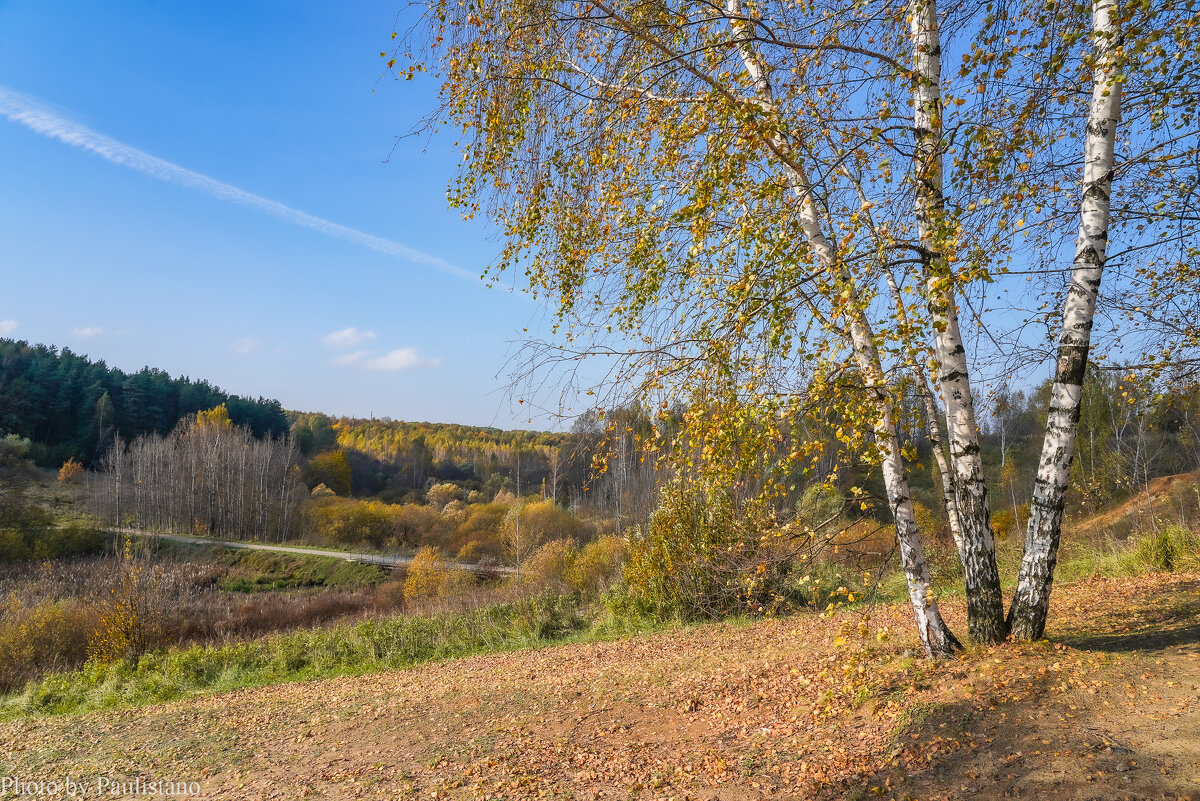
(927, 522)
(550, 564)
(331, 469)
(527, 526)
(123, 626)
(217, 417)
(47, 635)
(441, 494)
(71, 472)
(431, 576)
(598, 564)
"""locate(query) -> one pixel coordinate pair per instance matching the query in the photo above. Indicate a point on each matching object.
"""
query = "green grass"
(314, 653)
(532, 622)
(252, 571)
(1169, 548)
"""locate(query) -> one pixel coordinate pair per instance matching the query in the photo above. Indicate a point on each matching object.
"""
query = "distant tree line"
(206, 477)
(71, 407)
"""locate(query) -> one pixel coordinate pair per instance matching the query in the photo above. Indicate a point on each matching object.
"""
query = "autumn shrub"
(929, 524)
(528, 525)
(551, 564)
(1008, 522)
(71, 471)
(389, 596)
(820, 506)
(700, 556)
(598, 565)
(439, 495)
(352, 521)
(480, 529)
(39, 638)
(425, 573)
(431, 576)
(128, 620)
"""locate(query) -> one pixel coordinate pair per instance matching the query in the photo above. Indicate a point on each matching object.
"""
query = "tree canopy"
(766, 211)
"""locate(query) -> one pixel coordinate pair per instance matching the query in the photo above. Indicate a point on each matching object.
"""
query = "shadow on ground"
(1110, 714)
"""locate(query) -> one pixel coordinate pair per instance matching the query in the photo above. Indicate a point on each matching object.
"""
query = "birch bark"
(985, 604)
(1027, 617)
(936, 426)
(935, 635)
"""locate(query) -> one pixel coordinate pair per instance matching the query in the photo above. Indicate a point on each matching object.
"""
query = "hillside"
(1106, 709)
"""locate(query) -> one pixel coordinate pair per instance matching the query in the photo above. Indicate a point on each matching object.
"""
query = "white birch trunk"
(937, 435)
(935, 425)
(985, 604)
(1027, 617)
(935, 635)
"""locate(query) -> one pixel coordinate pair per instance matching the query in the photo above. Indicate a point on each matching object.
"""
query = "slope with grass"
(802, 707)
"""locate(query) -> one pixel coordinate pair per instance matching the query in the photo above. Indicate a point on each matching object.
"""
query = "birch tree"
(1027, 617)
(706, 194)
(652, 171)
(1144, 62)
(934, 233)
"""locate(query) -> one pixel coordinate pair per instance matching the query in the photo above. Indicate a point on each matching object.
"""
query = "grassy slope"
(1106, 709)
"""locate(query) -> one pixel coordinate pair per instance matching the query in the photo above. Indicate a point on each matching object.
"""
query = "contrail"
(31, 113)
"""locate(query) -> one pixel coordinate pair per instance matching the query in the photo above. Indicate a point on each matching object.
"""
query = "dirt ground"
(802, 707)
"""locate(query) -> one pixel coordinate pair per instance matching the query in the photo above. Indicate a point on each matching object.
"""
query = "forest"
(71, 407)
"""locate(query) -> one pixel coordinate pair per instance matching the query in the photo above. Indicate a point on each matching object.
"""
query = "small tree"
(71, 472)
(527, 526)
(431, 576)
(126, 624)
(441, 494)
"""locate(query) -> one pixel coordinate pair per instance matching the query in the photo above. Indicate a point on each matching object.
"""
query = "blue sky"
(145, 263)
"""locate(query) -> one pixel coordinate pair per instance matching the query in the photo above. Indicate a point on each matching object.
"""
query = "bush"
(700, 557)
(820, 504)
(527, 526)
(431, 576)
(441, 494)
(71, 472)
(1008, 522)
(598, 565)
(551, 564)
(34, 640)
(350, 521)
(1169, 548)
(128, 620)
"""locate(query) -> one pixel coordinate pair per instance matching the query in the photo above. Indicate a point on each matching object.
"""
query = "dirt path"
(1106, 710)
(368, 558)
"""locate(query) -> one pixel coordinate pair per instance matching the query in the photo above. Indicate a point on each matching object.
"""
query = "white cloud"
(400, 359)
(88, 332)
(245, 345)
(31, 112)
(7, 327)
(350, 358)
(348, 337)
